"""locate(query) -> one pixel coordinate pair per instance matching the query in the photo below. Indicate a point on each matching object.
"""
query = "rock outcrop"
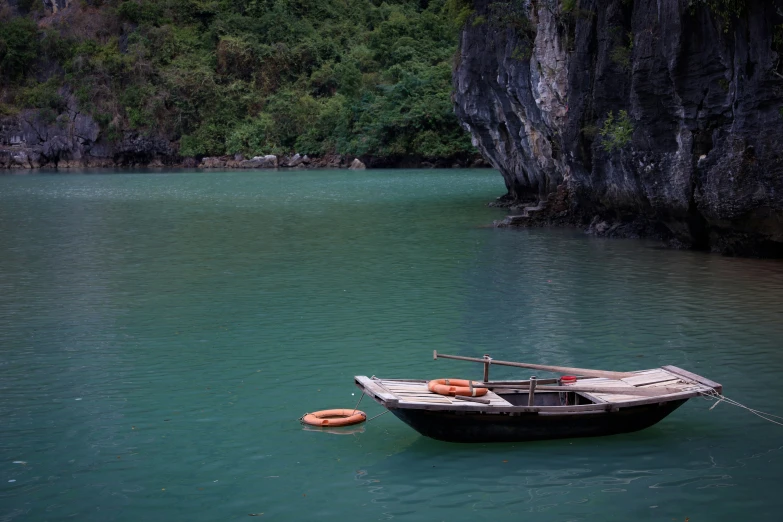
(53, 6)
(38, 138)
(357, 165)
(695, 158)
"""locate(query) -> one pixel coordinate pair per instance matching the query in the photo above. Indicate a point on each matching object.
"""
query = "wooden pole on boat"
(653, 391)
(618, 390)
(472, 399)
(543, 367)
(531, 391)
(487, 360)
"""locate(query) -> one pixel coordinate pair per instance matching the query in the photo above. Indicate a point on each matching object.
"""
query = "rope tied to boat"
(357, 403)
(382, 413)
(360, 400)
(713, 395)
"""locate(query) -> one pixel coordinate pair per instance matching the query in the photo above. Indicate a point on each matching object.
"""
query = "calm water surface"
(161, 334)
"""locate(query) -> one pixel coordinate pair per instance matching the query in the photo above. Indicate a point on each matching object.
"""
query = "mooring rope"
(713, 395)
(357, 403)
(387, 411)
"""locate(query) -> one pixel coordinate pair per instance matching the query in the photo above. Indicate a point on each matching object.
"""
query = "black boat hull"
(452, 426)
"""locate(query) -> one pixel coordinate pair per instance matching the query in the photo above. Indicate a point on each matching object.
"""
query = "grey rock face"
(211, 162)
(270, 161)
(73, 139)
(703, 165)
(260, 162)
(54, 6)
(292, 161)
(356, 164)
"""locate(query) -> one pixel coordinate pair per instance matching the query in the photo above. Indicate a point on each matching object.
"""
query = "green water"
(160, 335)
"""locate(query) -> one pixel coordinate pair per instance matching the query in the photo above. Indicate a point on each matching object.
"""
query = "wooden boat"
(536, 409)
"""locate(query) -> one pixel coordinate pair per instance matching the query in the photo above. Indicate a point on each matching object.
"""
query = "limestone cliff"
(697, 155)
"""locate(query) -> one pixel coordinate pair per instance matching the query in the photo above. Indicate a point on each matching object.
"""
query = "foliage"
(265, 76)
(42, 95)
(725, 10)
(590, 131)
(621, 54)
(141, 12)
(18, 47)
(567, 6)
(511, 13)
(459, 11)
(616, 134)
(777, 38)
(254, 136)
(7, 110)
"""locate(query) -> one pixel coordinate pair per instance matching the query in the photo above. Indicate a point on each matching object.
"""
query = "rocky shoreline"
(331, 161)
(36, 139)
(23, 158)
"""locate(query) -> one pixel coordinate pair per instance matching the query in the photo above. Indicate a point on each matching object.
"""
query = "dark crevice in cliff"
(698, 227)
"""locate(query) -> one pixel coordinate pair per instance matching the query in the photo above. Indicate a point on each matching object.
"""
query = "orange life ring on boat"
(455, 387)
(333, 418)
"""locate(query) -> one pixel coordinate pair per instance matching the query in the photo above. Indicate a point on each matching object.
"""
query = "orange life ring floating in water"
(332, 418)
(455, 387)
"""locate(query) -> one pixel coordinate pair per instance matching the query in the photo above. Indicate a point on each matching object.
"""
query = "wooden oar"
(618, 390)
(543, 367)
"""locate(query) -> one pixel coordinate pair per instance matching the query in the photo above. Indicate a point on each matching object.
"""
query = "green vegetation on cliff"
(246, 76)
(616, 134)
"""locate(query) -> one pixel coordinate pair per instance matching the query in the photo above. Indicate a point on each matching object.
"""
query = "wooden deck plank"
(418, 381)
(614, 398)
(591, 396)
(443, 397)
(395, 388)
(429, 397)
(650, 378)
(409, 389)
(614, 383)
(670, 383)
(695, 378)
(413, 393)
(644, 372)
(430, 394)
(375, 390)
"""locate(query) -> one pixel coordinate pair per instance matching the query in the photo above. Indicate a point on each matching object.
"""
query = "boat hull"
(453, 426)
